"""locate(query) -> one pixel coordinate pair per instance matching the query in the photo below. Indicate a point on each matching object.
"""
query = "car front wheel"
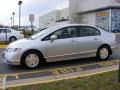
(103, 53)
(12, 39)
(31, 59)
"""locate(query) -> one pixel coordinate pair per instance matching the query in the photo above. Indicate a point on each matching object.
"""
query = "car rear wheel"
(31, 59)
(103, 53)
(12, 39)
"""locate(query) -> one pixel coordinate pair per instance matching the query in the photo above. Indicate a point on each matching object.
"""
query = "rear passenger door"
(0, 36)
(4, 34)
(89, 40)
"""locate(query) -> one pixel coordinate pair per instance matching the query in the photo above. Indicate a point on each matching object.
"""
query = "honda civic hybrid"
(61, 42)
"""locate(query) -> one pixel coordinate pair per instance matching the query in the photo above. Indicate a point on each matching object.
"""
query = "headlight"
(12, 49)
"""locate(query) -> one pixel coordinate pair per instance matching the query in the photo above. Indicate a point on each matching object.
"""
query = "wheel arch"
(12, 37)
(34, 50)
(110, 50)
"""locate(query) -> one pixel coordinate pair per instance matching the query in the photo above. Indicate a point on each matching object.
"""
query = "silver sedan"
(63, 42)
(10, 34)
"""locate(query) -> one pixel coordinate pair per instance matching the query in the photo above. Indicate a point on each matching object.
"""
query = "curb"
(58, 78)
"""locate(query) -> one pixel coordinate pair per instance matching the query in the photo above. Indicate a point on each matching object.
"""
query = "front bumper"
(11, 58)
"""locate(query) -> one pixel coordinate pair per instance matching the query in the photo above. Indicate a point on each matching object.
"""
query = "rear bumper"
(115, 48)
(21, 36)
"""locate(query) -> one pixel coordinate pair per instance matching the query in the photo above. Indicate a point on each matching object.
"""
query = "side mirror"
(53, 37)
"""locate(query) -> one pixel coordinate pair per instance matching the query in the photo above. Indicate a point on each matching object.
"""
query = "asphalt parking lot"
(116, 55)
(15, 69)
(64, 68)
(1, 58)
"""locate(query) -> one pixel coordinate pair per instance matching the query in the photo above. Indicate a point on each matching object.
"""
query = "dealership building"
(101, 13)
(54, 17)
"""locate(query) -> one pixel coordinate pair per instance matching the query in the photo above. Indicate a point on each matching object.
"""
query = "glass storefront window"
(115, 20)
(108, 20)
(102, 19)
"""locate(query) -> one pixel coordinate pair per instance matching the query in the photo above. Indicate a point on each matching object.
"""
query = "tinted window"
(4, 31)
(8, 31)
(88, 31)
(68, 32)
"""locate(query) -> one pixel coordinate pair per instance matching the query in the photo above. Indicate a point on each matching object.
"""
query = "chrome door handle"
(74, 41)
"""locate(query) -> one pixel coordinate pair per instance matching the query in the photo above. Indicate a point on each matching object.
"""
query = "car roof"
(65, 25)
(8, 28)
(5, 28)
(51, 29)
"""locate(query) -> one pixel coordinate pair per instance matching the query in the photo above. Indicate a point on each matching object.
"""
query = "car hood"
(20, 43)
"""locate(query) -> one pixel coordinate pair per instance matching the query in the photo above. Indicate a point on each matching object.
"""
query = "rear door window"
(4, 31)
(88, 31)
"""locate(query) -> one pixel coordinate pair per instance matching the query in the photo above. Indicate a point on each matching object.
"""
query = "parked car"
(10, 34)
(63, 42)
(116, 31)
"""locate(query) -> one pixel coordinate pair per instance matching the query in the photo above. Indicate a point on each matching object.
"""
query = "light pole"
(11, 21)
(19, 3)
(13, 18)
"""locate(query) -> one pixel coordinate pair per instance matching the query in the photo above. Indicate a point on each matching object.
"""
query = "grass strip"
(104, 81)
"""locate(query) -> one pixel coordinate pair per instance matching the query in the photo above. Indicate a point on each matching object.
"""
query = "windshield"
(38, 34)
(42, 33)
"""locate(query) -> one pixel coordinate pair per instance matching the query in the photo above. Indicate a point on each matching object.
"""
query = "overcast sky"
(36, 7)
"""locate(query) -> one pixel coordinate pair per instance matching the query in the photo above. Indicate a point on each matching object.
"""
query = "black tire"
(103, 55)
(26, 54)
(12, 39)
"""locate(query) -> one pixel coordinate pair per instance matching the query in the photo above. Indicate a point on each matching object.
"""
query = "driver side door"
(64, 47)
